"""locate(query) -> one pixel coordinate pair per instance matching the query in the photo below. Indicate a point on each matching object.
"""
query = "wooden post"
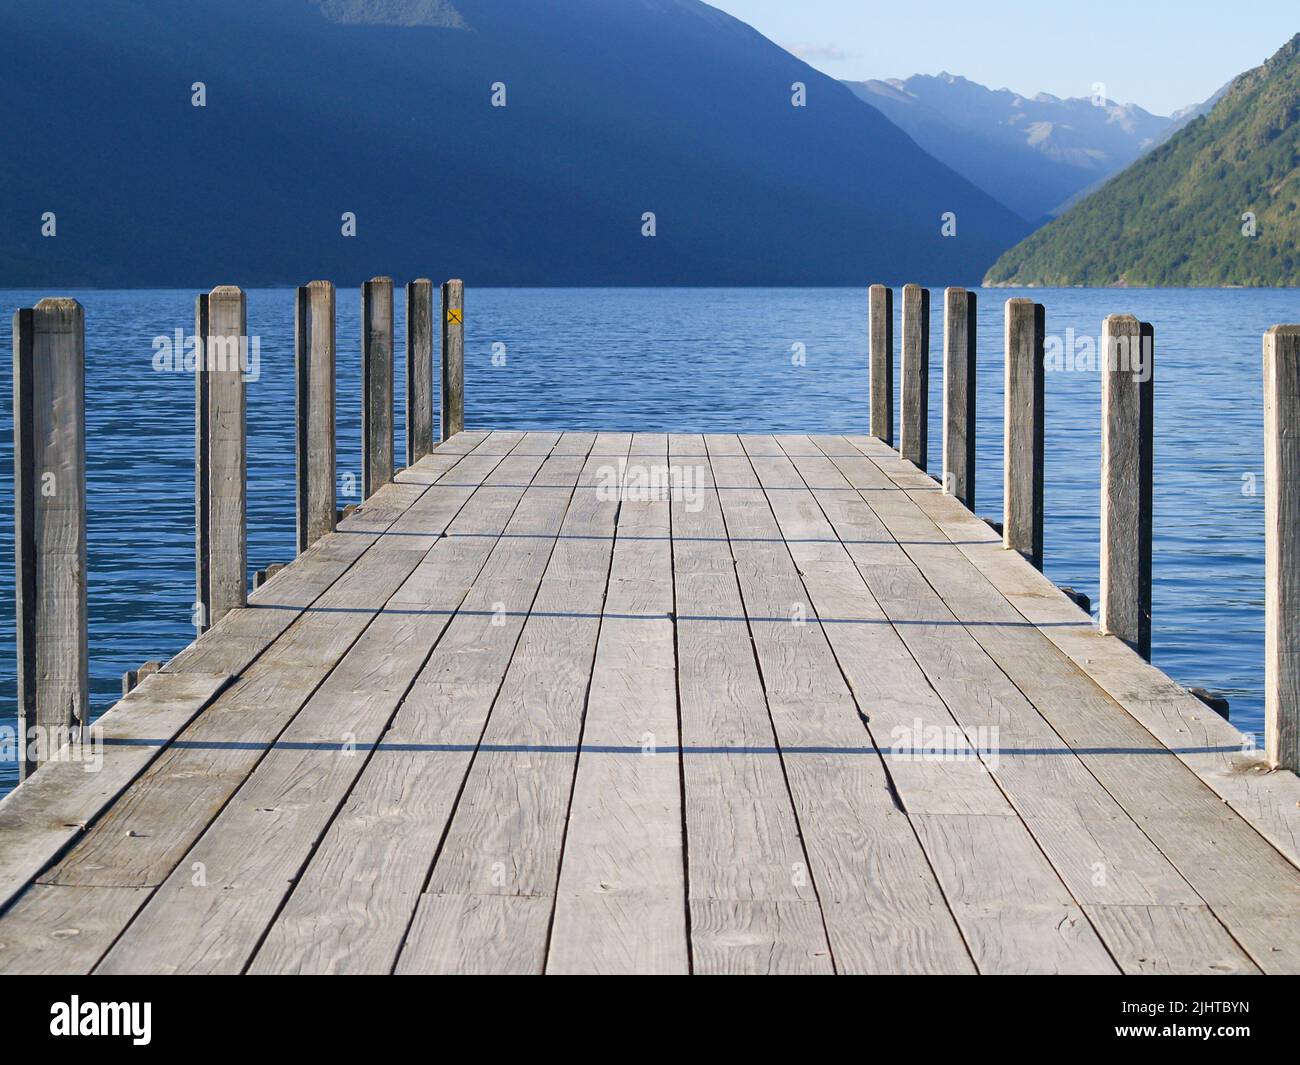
(880, 325)
(314, 350)
(376, 385)
(202, 475)
(1022, 507)
(221, 456)
(50, 526)
(1127, 474)
(913, 419)
(419, 370)
(453, 358)
(1282, 546)
(959, 395)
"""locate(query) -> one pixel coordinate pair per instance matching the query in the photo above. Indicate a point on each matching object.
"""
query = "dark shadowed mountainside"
(383, 108)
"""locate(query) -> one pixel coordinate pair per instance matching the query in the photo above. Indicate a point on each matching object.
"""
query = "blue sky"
(1161, 54)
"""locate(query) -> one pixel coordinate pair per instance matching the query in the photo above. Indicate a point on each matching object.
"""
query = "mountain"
(383, 108)
(1032, 154)
(1184, 116)
(1178, 215)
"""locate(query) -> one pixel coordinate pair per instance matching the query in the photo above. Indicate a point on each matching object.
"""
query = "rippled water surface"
(681, 360)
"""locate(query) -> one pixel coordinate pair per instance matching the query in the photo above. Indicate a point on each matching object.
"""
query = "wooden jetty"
(641, 702)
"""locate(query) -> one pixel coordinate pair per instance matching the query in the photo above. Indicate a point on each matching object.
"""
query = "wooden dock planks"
(621, 902)
(615, 703)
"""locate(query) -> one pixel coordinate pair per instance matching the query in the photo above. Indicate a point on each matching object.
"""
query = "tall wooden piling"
(50, 525)
(376, 385)
(959, 395)
(1127, 473)
(419, 370)
(202, 476)
(220, 455)
(880, 325)
(314, 351)
(914, 417)
(1282, 546)
(1022, 507)
(453, 358)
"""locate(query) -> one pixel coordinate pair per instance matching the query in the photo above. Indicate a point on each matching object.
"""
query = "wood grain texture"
(452, 406)
(896, 680)
(792, 574)
(314, 362)
(753, 905)
(353, 904)
(141, 838)
(419, 370)
(56, 806)
(376, 384)
(1023, 439)
(1098, 852)
(621, 900)
(1221, 757)
(507, 833)
(880, 328)
(1281, 535)
(202, 474)
(536, 706)
(1227, 863)
(959, 391)
(50, 525)
(1127, 476)
(254, 851)
(227, 463)
(914, 412)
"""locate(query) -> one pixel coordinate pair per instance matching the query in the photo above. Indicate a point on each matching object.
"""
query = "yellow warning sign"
(455, 316)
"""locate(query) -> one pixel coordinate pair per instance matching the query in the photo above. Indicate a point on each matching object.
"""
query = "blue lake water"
(681, 360)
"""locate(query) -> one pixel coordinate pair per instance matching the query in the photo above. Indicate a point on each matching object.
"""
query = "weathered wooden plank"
(419, 370)
(1127, 479)
(256, 848)
(959, 383)
(48, 928)
(1023, 434)
(202, 474)
(880, 326)
(506, 835)
(884, 909)
(376, 384)
(752, 905)
(225, 355)
(1016, 914)
(49, 343)
(1099, 853)
(1249, 886)
(452, 406)
(1170, 940)
(142, 837)
(353, 904)
(621, 905)
(914, 415)
(1221, 757)
(242, 635)
(1282, 555)
(314, 361)
(44, 814)
(902, 704)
